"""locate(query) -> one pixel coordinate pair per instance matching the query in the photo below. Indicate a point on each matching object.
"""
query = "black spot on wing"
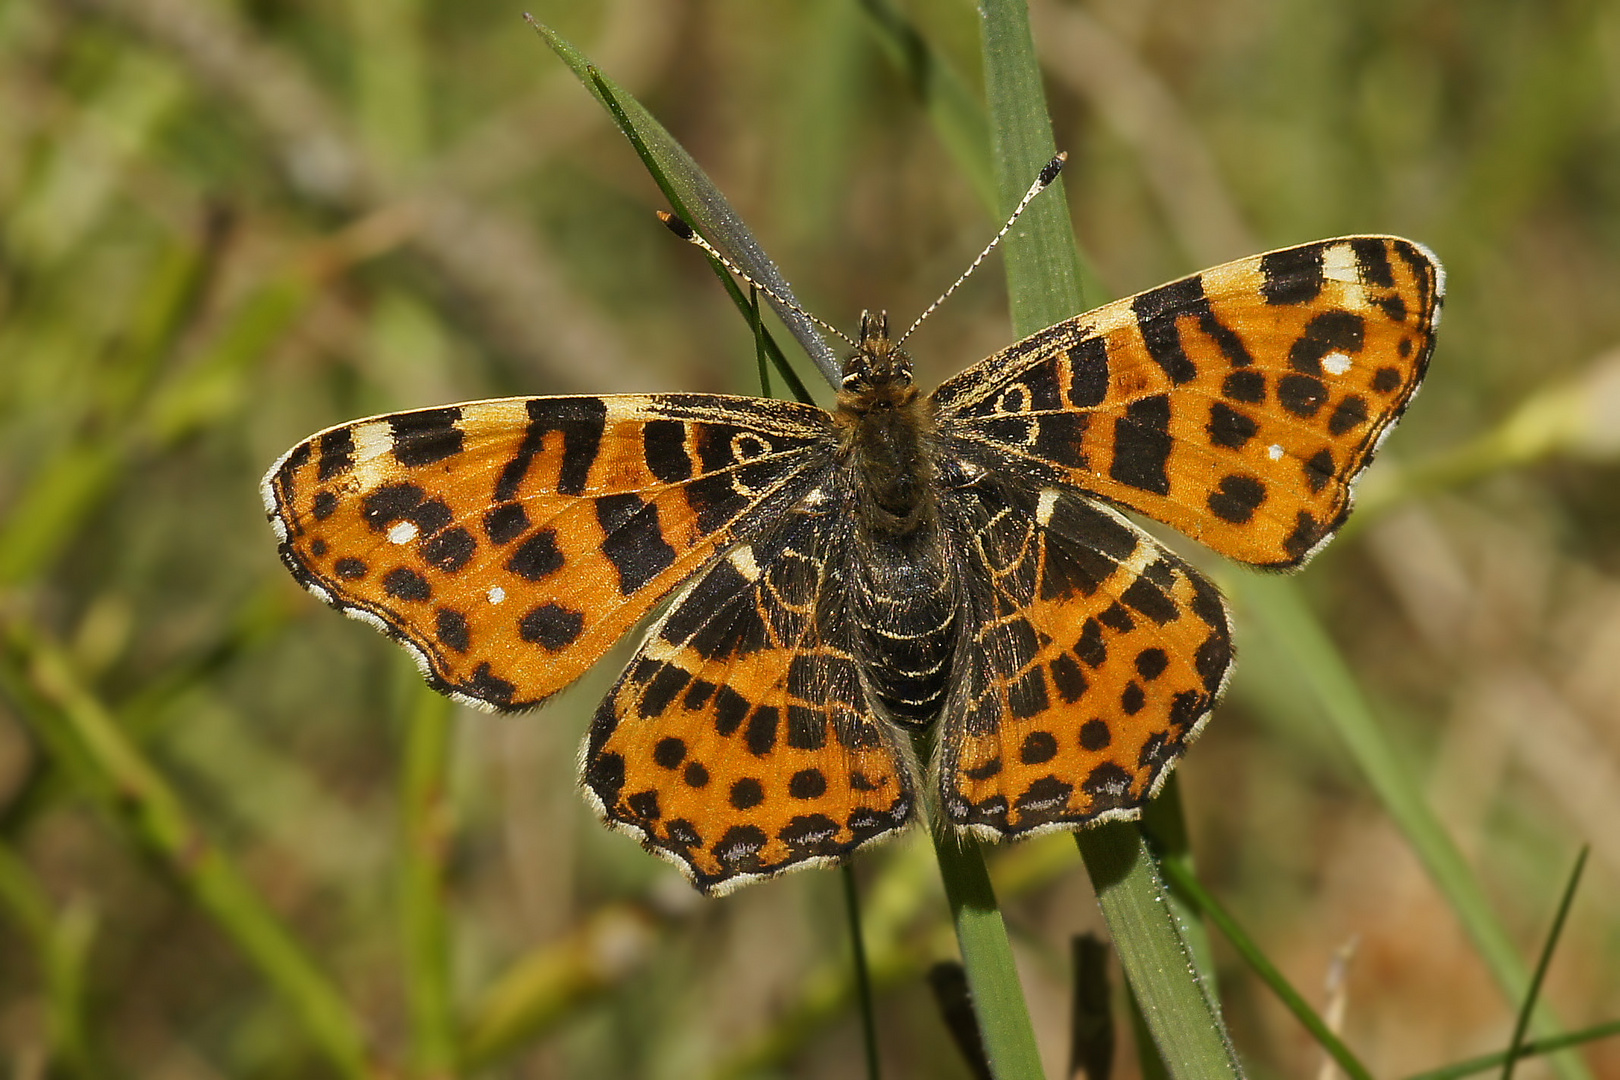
(1058, 438)
(1330, 331)
(1301, 395)
(1144, 596)
(1372, 261)
(739, 849)
(551, 626)
(1142, 445)
(634, 541)
(403, 583)
(1350, 414)
(425, 436)
(487, 686)
(1319, 470)
(390, 503)
(1228, 427)
(1293, 276)
(666, 684)
(336, 455)
(451, 629)
(1307, 531)
(581, 422)
(713, 500)
(760, 734)
(663, 444)
(450, 550)
(1157, 312)
(537, 557)
(1245, 386)
(506, 523)
(1088, 373)
(1236, 498)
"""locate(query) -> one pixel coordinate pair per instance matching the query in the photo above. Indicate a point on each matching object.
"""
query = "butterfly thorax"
(886, 434)
(903, 601)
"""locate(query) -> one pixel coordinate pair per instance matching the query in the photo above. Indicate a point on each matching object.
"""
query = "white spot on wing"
(372, 442)
(402, 532)
(496, 594)
(1339, 264)
(1335, 363)
(742, 557)
(1044, 508)
(622, 407)
(1274, 452)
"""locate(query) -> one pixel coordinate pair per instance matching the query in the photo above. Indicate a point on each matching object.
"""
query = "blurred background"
(238, 838)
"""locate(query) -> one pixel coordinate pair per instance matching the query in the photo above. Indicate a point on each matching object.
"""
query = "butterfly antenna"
(1042, 182)
(690, 235)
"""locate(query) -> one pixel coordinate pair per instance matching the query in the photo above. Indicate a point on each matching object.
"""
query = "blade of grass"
(739, 236)
(1043, 279)
(954, 111)
(694, 198)
(987, 959)
(1044, 274)
(1522, 1024)
(1288, 622)
(1184, 1020)
(1188, 885)
(1487, 1062)
(863, 974)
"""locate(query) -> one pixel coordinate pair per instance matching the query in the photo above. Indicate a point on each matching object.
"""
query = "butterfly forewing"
(510, 543)
(1237, 405)
(739, 742)
(1093, 658)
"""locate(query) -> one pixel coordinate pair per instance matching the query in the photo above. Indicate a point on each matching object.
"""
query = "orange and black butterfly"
(836, 579)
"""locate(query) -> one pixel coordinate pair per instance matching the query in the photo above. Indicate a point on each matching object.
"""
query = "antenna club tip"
(1053, 167)
(675, 224)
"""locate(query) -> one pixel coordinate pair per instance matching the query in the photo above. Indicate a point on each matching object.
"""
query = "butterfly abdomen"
(905, 611)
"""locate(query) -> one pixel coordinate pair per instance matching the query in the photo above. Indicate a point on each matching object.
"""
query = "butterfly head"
(878, 374)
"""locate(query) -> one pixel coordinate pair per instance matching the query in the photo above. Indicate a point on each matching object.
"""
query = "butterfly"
(834, 582)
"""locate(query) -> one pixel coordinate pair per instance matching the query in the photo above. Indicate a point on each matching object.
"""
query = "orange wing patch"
(739, 741)
(1237, 405)
(510, 543)
(1096, 659)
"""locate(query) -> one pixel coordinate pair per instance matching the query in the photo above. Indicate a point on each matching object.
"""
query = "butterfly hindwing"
(1237, 405)
(1093, 657)
(739, 742)
(510, 543)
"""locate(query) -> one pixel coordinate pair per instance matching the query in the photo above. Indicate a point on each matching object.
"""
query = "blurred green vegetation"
(238, 838)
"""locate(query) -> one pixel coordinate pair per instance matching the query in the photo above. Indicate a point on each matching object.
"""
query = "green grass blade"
(1487, 1062)
(1044, 274)
(1043, 265)
(987, 960)
(863, 973)
(695, 199)
(1210, 908)
(956, 114)
(1522, 1024)
(1183, 1019)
